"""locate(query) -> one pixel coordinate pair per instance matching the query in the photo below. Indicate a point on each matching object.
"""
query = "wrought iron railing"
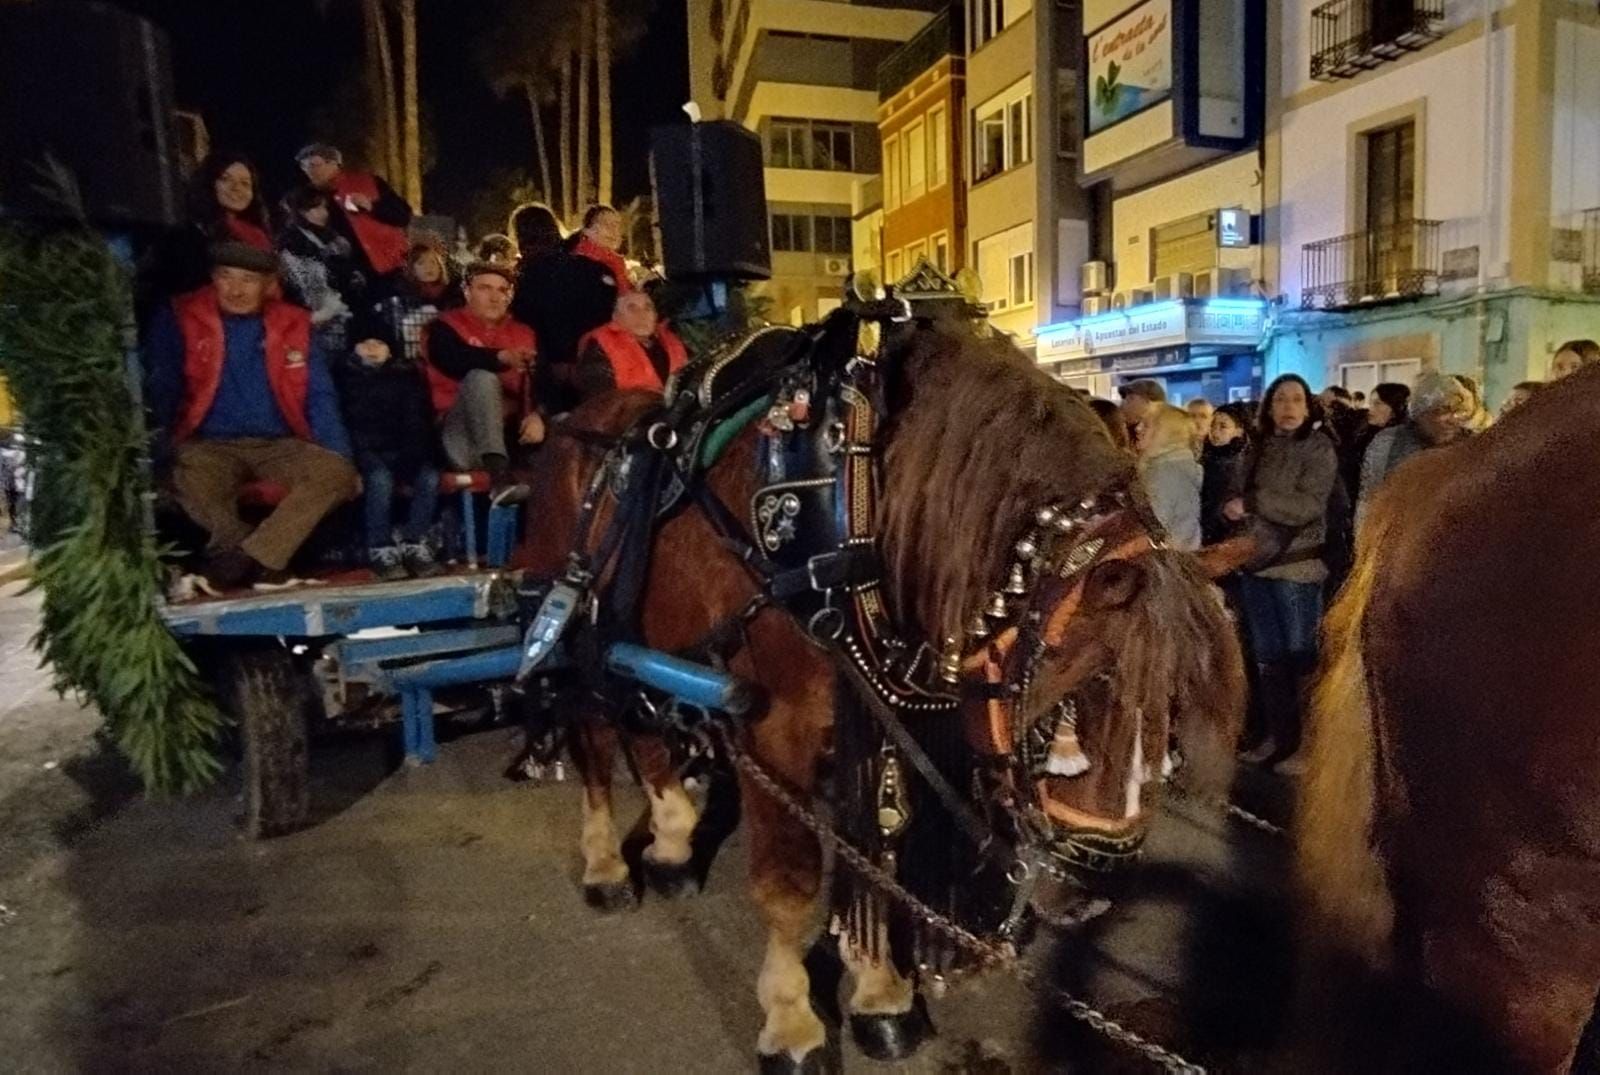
(1396, 262)
(1351, 36)
(940, 38)
(1591, 251)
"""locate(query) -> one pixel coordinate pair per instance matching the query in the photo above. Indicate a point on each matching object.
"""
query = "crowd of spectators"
(345, 352)
(1282, 485)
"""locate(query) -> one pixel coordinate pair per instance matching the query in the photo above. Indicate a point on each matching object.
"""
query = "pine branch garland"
(64, 311)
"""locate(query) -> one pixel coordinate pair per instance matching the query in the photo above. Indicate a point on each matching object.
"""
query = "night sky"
(258, 70)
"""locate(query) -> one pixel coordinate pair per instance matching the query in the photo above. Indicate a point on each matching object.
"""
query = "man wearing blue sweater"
(241, 392)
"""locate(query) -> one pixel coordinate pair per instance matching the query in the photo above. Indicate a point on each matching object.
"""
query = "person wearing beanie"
(479, 360)
(1440, 407)
(240, 392)
(363, 208)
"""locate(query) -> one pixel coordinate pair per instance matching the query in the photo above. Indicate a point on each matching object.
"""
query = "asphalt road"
(431, 920)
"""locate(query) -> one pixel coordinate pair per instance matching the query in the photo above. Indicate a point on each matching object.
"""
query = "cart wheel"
(269, 700)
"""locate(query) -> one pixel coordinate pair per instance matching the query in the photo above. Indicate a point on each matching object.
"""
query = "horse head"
(1017, 534)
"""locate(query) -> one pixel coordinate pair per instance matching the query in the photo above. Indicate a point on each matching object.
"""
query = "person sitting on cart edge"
(478, 360)
(635, 350)
(241, 392)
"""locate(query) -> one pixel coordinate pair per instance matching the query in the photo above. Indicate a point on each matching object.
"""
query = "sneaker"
(417, 556)
(230, 569)
(387, 563)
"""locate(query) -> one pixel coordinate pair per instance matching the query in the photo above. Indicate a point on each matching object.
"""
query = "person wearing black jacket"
(1221, 460)
(390, 419)
(363, 208)
(563, 296)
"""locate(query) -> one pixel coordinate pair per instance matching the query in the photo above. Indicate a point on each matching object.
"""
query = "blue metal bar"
(694, 684)
(474, 668)
(318, 612)
(358, 658)
(469, 527)
(502, 527)
(416, 711)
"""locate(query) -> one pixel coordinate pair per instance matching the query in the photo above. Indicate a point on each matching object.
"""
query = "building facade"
(1027, 217)
(1172, 100)
(1434, 189)
(921, 104)
(802, 74)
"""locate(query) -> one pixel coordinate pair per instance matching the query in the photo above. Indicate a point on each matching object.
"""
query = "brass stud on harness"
(1046, 516)
(1027, 548)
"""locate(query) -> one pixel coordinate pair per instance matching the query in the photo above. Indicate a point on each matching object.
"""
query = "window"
(915, 142)
(1186, 245)
(891, 172)
(941, 252)
(1005, 268)
(1391, 200)
(791, 232)
(803, 143)
(786, 145)
(1067, 113)
(986, 18)
(915, 253)
(938, 147)
(833, 234)
(895, 268)
(1002, 133)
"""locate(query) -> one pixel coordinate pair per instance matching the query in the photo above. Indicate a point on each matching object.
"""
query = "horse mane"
(978, 439)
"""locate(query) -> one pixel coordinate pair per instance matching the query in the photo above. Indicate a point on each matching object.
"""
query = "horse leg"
(606, 884)
(667, 866)
(785, 878)
(888, 1018)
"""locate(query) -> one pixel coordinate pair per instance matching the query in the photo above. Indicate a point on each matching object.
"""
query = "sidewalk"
(13, 559)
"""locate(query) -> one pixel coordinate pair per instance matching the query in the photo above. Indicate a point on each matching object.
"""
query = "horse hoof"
(670, 880)
(611, 897)
(892, 1037)
(818, 1061)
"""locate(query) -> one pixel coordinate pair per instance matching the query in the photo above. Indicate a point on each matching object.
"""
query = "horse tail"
(1341, 877)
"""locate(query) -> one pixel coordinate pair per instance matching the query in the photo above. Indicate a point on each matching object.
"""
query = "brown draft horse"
(976, 440)
(1450, 834)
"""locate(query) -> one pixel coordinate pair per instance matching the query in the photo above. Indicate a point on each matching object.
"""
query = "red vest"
(385, 245)
(630, 363)
(246, 231)
(509, 334)
(288, 347)
(612, 261)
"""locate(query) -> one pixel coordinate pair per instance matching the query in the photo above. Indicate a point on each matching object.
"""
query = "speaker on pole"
(86, 103)
(711, 201)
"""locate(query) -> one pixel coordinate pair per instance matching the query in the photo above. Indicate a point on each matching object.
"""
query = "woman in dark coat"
(225, 204)
(1222, 461)
(1287, 484)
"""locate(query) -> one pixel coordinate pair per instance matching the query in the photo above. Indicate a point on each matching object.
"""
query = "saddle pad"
(717, 441)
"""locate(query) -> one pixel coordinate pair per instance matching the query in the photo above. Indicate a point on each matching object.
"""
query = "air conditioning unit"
(1119, 300)
(836, 266)
(1096, 304)
(1221, 284)
(1095, 277)
(1141, 296)
(1178, 285)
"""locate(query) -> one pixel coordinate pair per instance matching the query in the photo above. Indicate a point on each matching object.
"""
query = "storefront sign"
(1130, 64)
(1217, 322)
(1233, 228)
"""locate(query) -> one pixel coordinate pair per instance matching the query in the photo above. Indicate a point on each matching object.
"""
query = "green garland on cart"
(65, 308)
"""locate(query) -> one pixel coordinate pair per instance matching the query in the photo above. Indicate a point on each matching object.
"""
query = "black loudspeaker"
(86, 93)
(711, 201)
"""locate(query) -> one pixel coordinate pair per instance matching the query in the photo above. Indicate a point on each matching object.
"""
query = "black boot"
(1275, 691)
(1291, 759)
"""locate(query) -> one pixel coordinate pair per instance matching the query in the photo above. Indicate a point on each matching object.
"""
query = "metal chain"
(1232, 810)
(989, 953)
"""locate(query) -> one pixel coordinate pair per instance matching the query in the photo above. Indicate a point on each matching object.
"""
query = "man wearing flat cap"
(240, 392)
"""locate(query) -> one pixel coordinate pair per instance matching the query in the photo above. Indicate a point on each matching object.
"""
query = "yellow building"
(802, 74)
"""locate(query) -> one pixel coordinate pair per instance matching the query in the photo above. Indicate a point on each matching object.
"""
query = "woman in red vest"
(634, 350)
(364, 208)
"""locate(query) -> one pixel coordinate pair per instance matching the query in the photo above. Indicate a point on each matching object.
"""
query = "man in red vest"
(479, 360)
(633, 350)
(364, 209)
(240, 392)
(600, 240)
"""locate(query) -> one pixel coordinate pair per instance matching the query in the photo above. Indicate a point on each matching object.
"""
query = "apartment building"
(1172, 99)
(804, 75)
(1027, 217)
(920, 110)
(1433, 188)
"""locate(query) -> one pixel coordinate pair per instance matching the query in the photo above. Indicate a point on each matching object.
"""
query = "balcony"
(1591, 251)
(1352, 36)
(1365, 268)
(935, 41)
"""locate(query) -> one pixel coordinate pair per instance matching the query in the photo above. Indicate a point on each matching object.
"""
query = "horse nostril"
(1113, 584)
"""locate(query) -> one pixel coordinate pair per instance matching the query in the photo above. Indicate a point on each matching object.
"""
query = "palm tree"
(412, 182)
(518, 57)
(378, 39)
(585, 55)
(602, 61)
